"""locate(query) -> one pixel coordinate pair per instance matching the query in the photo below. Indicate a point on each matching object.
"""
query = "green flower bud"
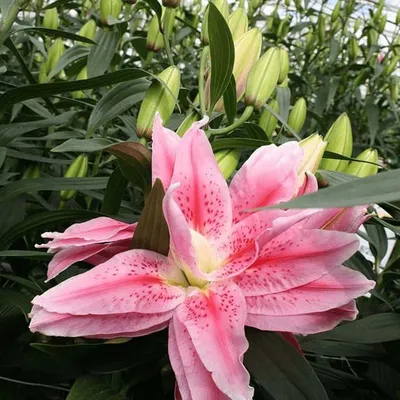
(51, 19)
(372, 37)
(155, 40)
(284, 65)
(378, 13)
(361, 78)
(287, 3)
(82, 75)
(394, 88)
(313, 149)
(247, 52)
(283, 28)
(310, 40)
(349, 7)
(32, 172)
(298, 5)
(354, 49)
(363, 170)
(263, 78)
(382, 24)
(223, 8)
(187, 123)
(168, 21)
(78, 169)
(110, 8)
(398, 17)
(267, 121)
(336, 11)
(391, 66)
(297, 116)
(54, 54)
(321, 28)
(238, 23)
(357, 24)
(335, 26)
(340, 141)
(171, 3)
(396, 43)
(43, 72)
(254, 4)
(228, 161)
(159, 98)
(88, 30)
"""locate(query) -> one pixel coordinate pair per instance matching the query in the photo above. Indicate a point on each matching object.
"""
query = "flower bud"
(391, 66)
(187, 123)
(263, 78)
(283, 28)
(238, 23)
(313, 149)
(357, 24)
(394, 88)
(32, 172)
(382, 24)
(361, 169)
(171, 3)
(340, 141)
(378, 12)
(51, 19)
(109, 8)
(82, 75)
(349, 7)
(88, 30)
(228, 161)
(155, 40)
(78, 169)
(43, 72)
(268, 122)
(247, 52)
(297, 116)
(54, 54)
(398, 17)
(354, 49)
(321, 28)
(223, 8)
(372, 37)
(159, 97)
(336, 11)
(284, 65)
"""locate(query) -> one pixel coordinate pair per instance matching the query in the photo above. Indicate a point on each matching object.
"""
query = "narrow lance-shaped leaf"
(152, 232)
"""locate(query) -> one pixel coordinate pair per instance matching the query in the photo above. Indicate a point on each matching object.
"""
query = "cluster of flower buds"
(77, 169)
(160, 97)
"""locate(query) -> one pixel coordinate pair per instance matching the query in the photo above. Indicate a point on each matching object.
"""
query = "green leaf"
(336, 156)
(222, 54)
(230, 100)
(73, 54)
(100, 56)
(376, 328)
(373, 189)
(9, 132)
(29, 254)
(44, 221)
(378, 240)
(13, 299)
(255, 132)
(34, 185)
(134, 162)
(54, 33)
(119, 99)
(152, 231)
(57, 3)
(238, 143)
(116, 187)
(283, 97)
(22, 93)
(91, 387)
(156, 7)
(372, 112)
(280, 369)
(83, 145)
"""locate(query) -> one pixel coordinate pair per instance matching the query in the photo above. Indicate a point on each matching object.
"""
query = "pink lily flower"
(226, 268)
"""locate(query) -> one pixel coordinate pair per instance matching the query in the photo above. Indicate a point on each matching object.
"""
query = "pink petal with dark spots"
(215, 321)
(133, 281)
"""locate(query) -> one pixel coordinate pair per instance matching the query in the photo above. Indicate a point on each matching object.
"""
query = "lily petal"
(332, 290)
(309, 184)
(165, 145)
(70, 255)
(215, 320)
(296, 258)
(304, 323)
(133, 281)
(268, 177)
(203, 194)
(101, 326)
(194, 381)
(98, 230)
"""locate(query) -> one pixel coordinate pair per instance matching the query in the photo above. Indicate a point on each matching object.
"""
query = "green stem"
(243, 118)
(202, 68)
